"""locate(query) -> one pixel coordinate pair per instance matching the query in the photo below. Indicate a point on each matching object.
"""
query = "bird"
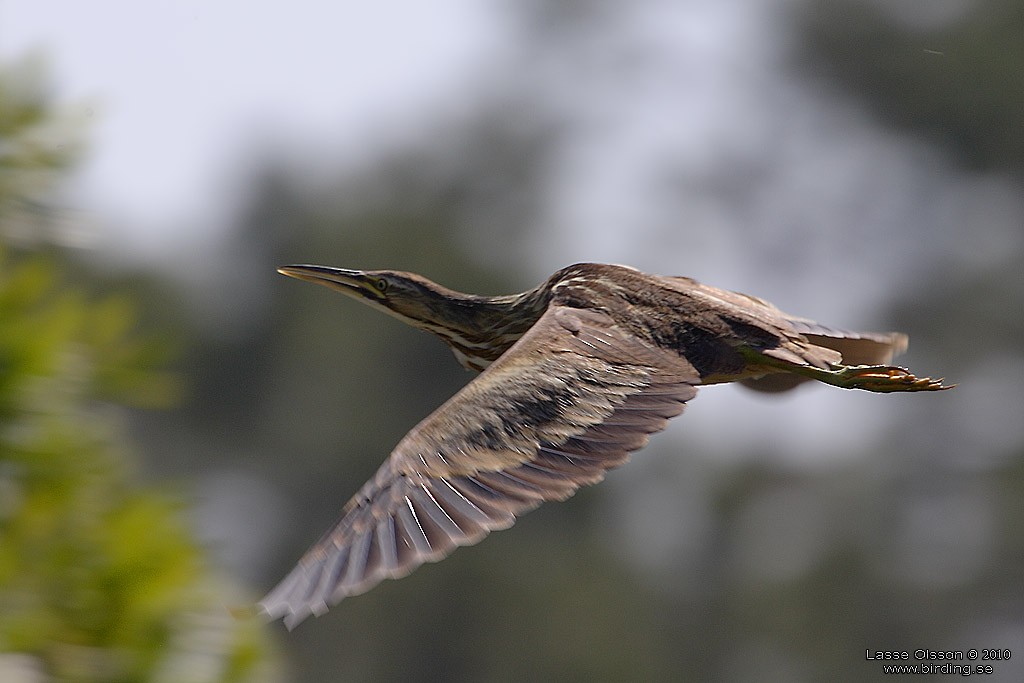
(576, 374)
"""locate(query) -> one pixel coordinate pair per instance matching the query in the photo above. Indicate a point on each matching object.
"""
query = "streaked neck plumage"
(479, 329)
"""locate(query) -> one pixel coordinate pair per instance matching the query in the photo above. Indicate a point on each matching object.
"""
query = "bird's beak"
(351, 282)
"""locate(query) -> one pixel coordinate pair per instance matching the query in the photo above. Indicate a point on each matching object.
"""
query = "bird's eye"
(381, 284)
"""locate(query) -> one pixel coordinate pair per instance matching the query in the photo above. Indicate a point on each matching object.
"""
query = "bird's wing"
(567, 402)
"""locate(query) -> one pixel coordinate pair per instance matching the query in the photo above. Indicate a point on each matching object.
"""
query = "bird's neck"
(486, 326)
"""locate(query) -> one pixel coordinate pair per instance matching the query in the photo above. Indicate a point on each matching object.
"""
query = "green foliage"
(99, 579)
(37, 145)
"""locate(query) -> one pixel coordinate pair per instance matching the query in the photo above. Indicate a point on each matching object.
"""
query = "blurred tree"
(39, 144)
(100, 579)
(949, 72)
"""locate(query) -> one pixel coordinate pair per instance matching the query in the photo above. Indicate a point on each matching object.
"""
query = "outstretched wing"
(567, 402)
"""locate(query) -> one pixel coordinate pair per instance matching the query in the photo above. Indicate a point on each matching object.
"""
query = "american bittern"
(578, 372)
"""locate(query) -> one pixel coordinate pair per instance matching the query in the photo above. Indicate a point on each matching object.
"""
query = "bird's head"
(407, 296)
(474, 326)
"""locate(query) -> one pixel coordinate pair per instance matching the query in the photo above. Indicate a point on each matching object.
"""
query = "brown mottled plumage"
(578, 372)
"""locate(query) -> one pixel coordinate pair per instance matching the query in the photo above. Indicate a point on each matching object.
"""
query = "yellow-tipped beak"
(351, 282)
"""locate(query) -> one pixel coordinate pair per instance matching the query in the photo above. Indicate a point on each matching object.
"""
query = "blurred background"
(178, 423)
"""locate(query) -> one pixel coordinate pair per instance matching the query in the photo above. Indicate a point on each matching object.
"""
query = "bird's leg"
(880, 378)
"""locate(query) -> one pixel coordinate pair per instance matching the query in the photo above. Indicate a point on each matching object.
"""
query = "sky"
(213, 76)
(176, 93)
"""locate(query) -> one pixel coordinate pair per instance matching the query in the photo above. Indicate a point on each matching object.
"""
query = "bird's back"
(713, 327)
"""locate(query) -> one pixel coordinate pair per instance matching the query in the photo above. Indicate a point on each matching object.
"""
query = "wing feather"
(567, 402)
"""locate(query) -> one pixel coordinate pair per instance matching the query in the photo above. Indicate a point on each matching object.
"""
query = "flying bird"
(575, 374)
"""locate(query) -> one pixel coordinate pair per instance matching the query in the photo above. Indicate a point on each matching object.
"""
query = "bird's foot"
(881, 378)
